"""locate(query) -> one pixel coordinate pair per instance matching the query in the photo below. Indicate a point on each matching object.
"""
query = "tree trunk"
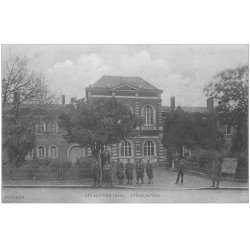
(95, 152)
(169, 158)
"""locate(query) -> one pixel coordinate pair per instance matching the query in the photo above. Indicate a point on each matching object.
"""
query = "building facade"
(227, 130)
(50, 139)
(144, 100)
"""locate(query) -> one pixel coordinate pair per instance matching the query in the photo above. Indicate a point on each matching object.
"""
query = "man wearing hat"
(129, 172)
(107, 174)
(120, 172)
(139, 169)
(96, 173)
(149, 171)
(180, 170)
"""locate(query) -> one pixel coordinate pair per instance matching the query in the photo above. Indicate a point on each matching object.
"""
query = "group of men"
(127, 171)
(122, 171)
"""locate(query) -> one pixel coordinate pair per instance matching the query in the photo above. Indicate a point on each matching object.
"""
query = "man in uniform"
(216, 172)
(96, 172)
(149, 171)
(120, 172)
(139, 169)
(180, 170)
(129, 172)
(107, 174)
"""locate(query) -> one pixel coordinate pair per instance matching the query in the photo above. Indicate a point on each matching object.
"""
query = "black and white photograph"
(125, 123)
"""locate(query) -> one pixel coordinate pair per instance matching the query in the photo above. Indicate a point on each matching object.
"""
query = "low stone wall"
(45, 170)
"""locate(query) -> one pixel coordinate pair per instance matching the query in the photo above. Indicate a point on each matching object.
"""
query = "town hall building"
(144, 100)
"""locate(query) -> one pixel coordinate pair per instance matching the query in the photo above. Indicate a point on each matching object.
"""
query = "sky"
(181, 71)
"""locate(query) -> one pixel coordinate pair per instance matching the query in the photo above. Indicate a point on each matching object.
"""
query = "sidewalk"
(163, 179)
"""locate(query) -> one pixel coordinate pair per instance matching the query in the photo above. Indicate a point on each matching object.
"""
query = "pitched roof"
(186, 109)
(115, 81)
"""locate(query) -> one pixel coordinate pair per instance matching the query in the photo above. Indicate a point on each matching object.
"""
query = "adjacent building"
(50, 138)
(227, 130)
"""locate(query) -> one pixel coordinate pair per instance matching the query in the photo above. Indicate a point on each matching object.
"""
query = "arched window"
(53, 152)
(40, 127)
(41, 152)
(148, 115)
(149, 148)
(52, 127)
(126, 149)
(129, 108)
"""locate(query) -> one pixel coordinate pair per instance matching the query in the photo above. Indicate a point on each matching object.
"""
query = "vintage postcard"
(125, 123)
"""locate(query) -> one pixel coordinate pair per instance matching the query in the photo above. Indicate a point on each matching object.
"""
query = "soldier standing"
(216, 172)
(129, 172)
(180, 170)
(96, 173)
(113, 167)
(120, 172)
(149, 171)
(139, 168)
(107, 174)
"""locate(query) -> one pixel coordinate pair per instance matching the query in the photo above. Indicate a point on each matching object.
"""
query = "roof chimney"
(72, 100)
(63, 99)
(172, 101)
(210, 104)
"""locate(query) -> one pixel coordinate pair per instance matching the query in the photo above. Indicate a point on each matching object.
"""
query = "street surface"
(195, 189)
(162, 179)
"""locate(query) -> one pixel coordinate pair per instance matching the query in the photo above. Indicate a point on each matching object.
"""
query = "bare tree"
(24, 85)
(25, 98)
